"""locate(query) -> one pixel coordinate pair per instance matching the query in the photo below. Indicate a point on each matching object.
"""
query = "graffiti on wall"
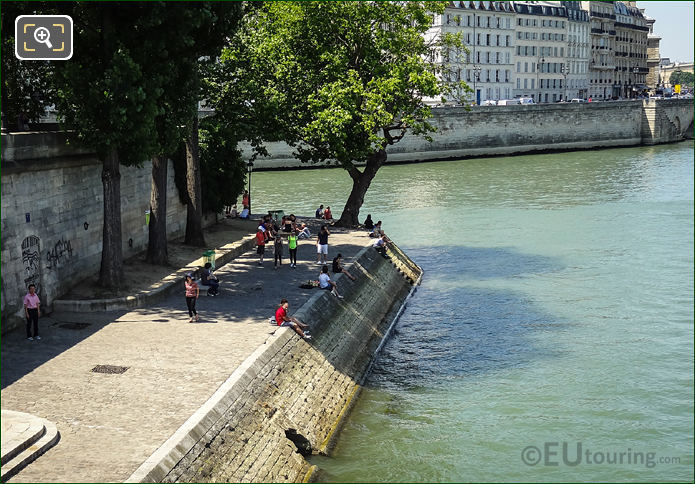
(31, 258)
(59, 254)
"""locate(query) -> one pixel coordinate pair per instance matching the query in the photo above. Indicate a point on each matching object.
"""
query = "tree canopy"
(681, 77)
(340, 81)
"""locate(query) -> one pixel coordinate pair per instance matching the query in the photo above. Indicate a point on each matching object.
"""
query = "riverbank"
(173, 369)
(485, 131)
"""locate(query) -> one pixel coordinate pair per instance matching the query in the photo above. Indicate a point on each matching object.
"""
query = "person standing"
(246, 200)
(292, 246)
(277, 249)
(192, 293)
(32, 310)
(322, 245)
(260, 243)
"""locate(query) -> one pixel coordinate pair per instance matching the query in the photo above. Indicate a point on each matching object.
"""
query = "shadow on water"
(459, 329)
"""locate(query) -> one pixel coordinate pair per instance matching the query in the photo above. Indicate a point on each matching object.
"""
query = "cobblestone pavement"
(110, 423)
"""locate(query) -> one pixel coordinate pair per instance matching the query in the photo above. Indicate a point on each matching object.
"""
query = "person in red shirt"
(282, 319)
(260, 242)
(32, 310)
(192, 293)
(327, 214)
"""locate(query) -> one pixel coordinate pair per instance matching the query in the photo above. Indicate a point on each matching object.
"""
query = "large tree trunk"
(111, 273)
(360, 184)
(157, 242)
(194, 212)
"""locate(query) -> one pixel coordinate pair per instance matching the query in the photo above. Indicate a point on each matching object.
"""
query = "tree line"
(337, 81)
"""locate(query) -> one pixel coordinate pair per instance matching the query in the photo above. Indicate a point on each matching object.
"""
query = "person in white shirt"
(326, 283)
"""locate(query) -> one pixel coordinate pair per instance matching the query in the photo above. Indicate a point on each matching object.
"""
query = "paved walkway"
(110, 423)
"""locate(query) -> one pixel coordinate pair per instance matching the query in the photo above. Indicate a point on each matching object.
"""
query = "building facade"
(548, 50)
(487, 30)
(631, 40)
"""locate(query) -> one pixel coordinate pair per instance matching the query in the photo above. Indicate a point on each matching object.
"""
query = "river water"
(555, 318)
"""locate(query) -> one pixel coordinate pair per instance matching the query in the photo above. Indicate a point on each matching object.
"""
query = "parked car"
(489, 102)
(526, 100)
(577, 100)
(507, 102)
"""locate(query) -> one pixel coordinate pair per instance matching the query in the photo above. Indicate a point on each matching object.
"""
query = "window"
(487, 38)
(518, 67)
(525, 66)
(525, 83)
(518, 83)
(506, 57)
(508, 39)
(533, 67)
(533, 83)
(508, 23)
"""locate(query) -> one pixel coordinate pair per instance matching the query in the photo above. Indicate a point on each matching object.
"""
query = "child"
(278, 250)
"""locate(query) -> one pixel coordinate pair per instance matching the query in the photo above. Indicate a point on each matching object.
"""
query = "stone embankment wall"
(290, 385)
(52, 216)
(501, 130)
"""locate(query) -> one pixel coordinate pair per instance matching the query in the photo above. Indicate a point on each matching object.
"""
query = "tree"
(218, 20)
(341, 81)
(27, 86)
(108, 102)
(681, 77)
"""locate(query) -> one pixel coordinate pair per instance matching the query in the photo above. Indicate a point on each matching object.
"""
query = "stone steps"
(24, 439)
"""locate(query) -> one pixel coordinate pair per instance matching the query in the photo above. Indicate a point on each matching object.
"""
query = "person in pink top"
(192, 293)
(32, 310)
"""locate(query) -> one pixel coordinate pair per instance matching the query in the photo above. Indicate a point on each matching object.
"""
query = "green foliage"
(682, 77)
(223, 171)
(337, 80)
(27, 86)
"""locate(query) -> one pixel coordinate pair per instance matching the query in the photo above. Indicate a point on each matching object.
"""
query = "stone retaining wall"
(52, 217)
(239, 435)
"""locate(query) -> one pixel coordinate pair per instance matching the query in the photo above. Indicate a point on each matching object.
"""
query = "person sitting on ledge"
(368, 222)
(319, 211)
(326, 283)
(338, 267)
(380, 245)
(376, 231)
(327, 214)
(282, 319)
(207, 278)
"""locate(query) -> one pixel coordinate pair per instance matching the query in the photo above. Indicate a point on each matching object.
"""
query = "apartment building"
(487, 29)
(631, 43)
(578, 50)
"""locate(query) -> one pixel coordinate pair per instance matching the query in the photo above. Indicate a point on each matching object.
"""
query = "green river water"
(551, 338)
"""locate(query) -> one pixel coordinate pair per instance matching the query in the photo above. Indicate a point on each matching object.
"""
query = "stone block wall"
(240, 434)
(52, 218)
(500, 130)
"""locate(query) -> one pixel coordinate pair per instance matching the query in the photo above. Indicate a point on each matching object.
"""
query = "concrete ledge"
(22, 448)
(169, 284)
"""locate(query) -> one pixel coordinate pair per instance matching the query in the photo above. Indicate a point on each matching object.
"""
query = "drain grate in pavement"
(75, 326)
(110, 369)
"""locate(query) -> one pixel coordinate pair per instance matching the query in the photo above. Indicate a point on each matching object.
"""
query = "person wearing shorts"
(282, 319)
(322, 245)
(260, 243)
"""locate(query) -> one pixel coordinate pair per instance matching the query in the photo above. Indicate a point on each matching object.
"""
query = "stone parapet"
(290, 386)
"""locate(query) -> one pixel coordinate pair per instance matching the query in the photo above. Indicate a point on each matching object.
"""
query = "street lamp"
(250, 167)
(539, 62)
(564, 70)
(635, 70)
(476, 77)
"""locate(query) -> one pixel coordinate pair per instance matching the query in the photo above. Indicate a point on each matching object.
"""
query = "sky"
(674, 24)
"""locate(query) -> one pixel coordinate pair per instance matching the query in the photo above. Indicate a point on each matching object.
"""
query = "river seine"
(552, 336)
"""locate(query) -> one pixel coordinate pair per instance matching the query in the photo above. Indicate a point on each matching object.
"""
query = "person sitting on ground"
(368, 223)
(338, 267)
(286, 224)
(327, 214)
(319, 211)
(245, 213)
(207, 278)
(380, 245)
(278, 251)
(326, 283)
(234, 213)
(376, 231)
(304, 232)
(282, 319)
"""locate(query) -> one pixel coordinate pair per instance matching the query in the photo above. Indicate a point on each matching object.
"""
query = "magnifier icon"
(43, 36)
